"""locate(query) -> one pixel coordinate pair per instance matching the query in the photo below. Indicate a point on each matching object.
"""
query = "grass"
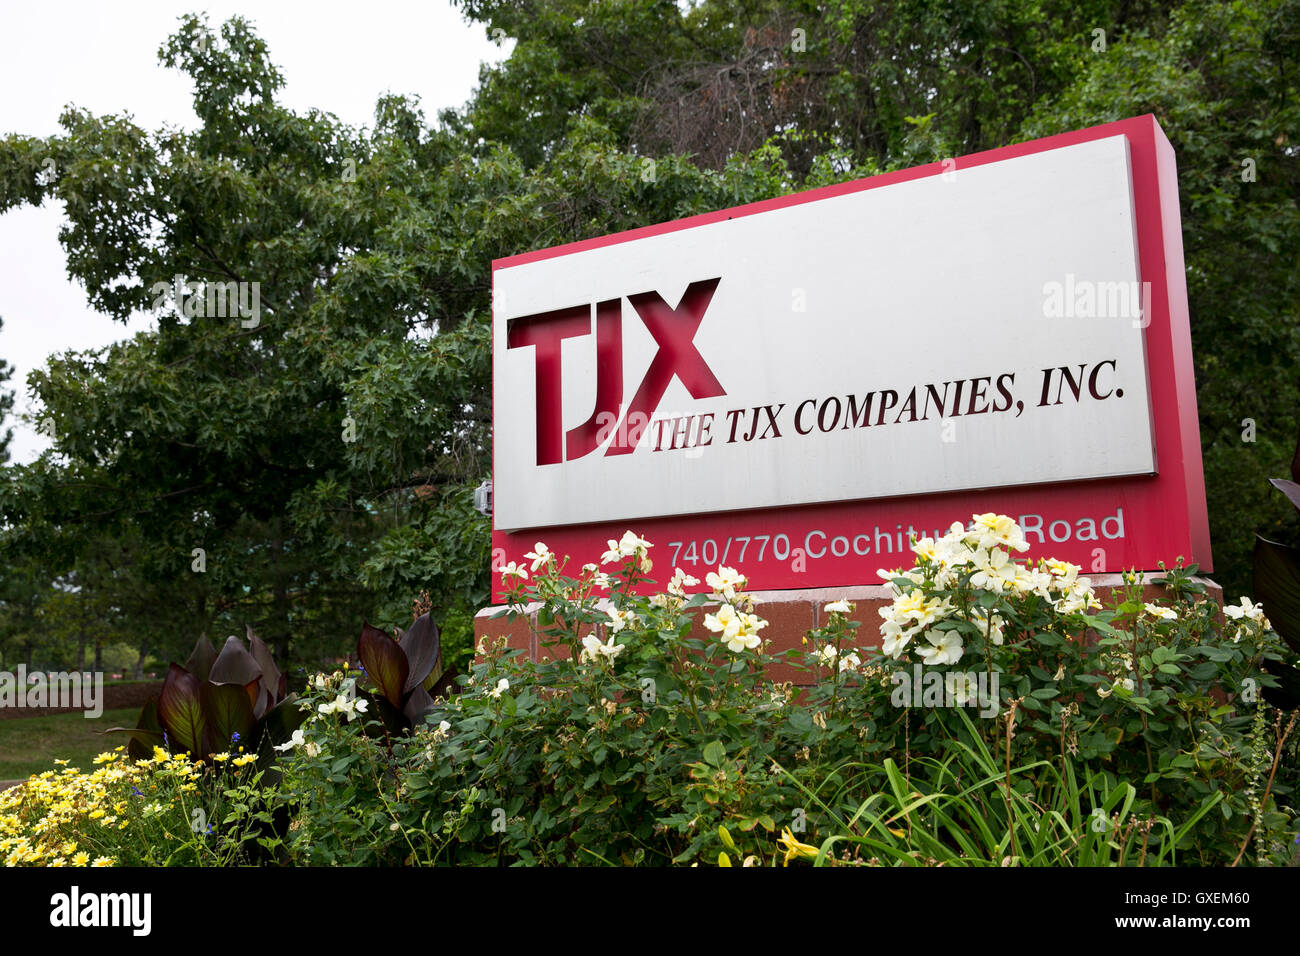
(30, 744)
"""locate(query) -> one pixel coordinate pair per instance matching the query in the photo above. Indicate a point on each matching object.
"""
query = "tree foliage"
(311, 465)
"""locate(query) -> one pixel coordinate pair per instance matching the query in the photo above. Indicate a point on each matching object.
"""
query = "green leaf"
(714, 753)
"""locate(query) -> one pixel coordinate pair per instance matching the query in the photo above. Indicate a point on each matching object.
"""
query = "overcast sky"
(102, 57)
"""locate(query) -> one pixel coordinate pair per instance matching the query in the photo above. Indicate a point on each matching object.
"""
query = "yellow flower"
(102, 861)
(793, 848)
(244, 760)
(81, 858)
(105, 758)
(221, 757)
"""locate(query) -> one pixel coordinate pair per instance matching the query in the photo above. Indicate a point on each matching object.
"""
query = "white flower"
(926, 548)
(539, 555)
(1164, 613)
(680, 582)
(502, 685)
(621, 619)
(630, 545)
(917, 608)
(995, 571)
(1124, 682)
(895, 637)
(850, 661)
(725, 621)
(593, 649)
(1065, 572)
(946, 648)
(444, 726)
(320, 681)
(297, 740)
(1080, 597)
(838, 607)
(994, 632)
(345, 705)
(994, 529)
(725, 581)
(1246, 609)
(739, 630)
(513, 570)
(826, 654)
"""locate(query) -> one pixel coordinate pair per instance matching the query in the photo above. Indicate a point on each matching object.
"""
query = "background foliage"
(372, 250)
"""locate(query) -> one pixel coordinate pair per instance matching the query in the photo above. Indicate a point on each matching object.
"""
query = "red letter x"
(674, 331)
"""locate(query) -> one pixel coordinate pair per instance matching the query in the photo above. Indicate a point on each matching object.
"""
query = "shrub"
(1005, 719)
(652, 734)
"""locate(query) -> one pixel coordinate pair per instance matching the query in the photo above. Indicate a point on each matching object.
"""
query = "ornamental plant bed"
(982, 731)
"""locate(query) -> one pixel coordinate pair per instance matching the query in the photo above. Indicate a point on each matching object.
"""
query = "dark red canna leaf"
(1288, 488)
(234, 665)
(1277, 587)
(201, 658)
(418, 704)
(227, 711)
(423, 651)
(181, 711)
(385, 663)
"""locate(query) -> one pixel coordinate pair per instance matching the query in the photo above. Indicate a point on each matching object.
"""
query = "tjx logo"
(674, 333)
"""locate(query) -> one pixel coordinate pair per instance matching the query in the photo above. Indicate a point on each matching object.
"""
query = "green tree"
(6, 407)
(310, 462)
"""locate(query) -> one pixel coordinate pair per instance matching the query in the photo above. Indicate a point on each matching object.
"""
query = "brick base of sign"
(789, 615)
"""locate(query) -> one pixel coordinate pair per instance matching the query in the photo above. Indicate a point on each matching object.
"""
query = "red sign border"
(1160, 517)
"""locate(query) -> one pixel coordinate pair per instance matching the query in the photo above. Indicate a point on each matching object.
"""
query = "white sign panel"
(974, 329)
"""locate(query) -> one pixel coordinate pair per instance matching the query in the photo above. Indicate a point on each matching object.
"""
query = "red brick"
(787, 623)
(518, 633)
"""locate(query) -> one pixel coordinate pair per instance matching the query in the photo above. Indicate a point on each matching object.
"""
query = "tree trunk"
(281, 600)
